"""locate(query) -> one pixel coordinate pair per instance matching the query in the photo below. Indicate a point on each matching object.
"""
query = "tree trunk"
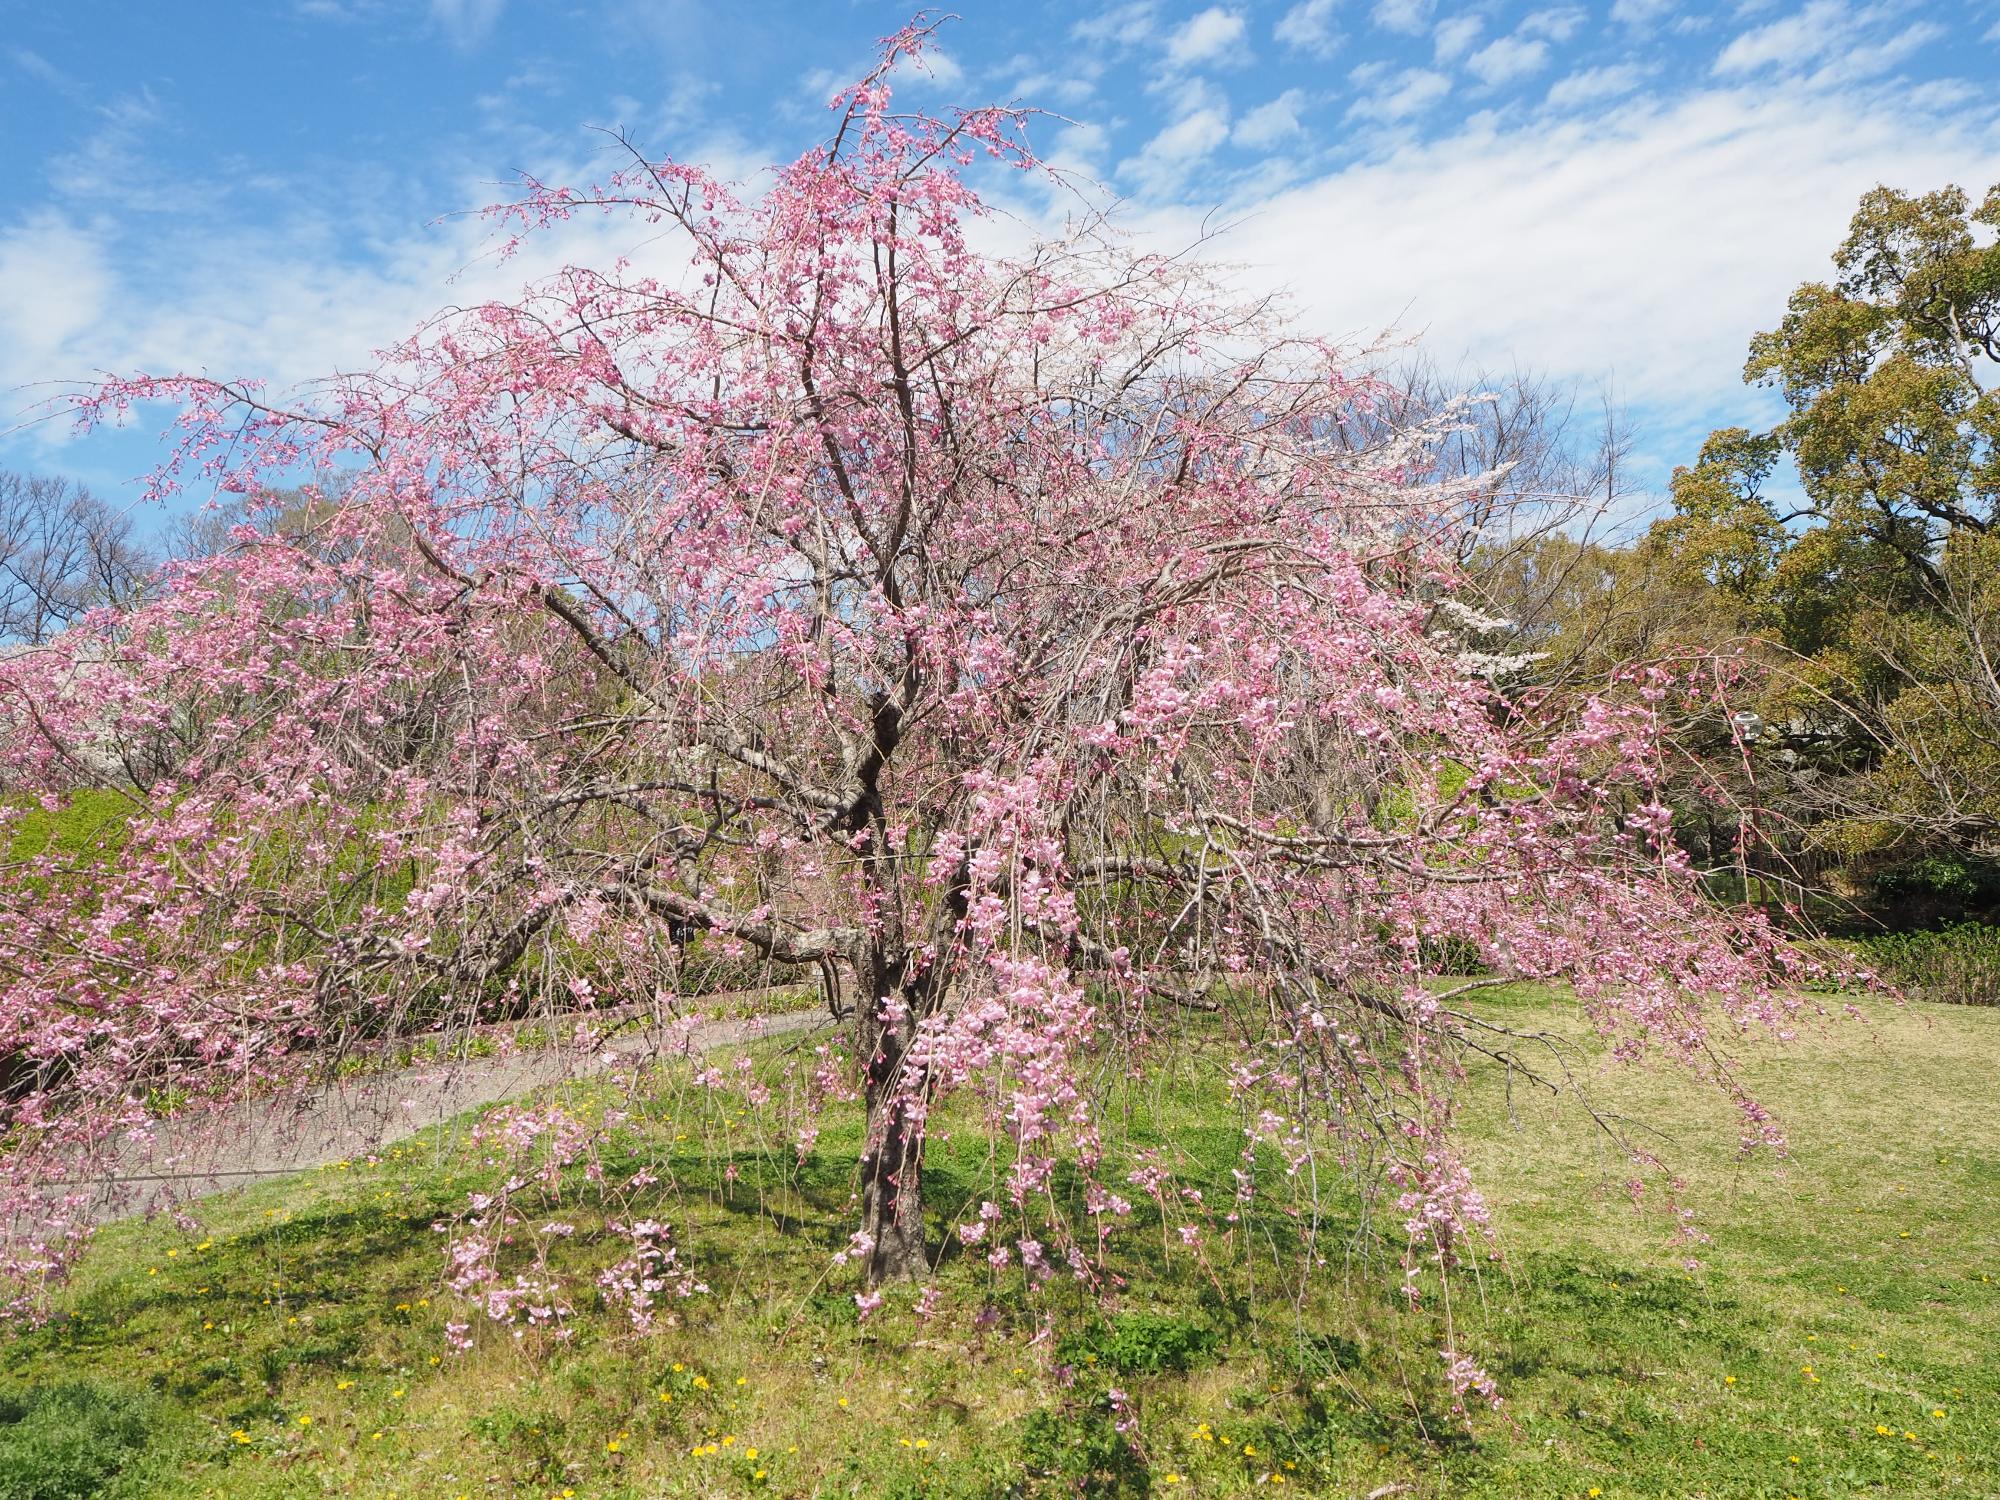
(892, 1159)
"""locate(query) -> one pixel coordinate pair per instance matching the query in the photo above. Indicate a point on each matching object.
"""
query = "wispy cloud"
(1400, 96)
(1268, 124)
(1308, 27)
(1160, 168)
(42, 70)
(1599, 255)
(1407, 16)
(1212, 35)
(467, 22)
(1510, 57)
(1837, 40)
(1454, 38)
(1122, 26)
(1594, 85)
(1640, 14)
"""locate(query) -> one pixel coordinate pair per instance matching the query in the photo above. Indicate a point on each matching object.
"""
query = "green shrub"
(1943, 877)
(1078, 1450)
(74, 1442)
(1956, 965)
(1141, 1343)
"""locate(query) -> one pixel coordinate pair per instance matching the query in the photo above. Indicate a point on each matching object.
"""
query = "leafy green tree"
(1878, 580)
(1888, 375)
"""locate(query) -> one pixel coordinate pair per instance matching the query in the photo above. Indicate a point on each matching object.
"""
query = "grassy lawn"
(1841, 1337)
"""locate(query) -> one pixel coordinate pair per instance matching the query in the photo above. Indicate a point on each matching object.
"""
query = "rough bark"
(892, 1210)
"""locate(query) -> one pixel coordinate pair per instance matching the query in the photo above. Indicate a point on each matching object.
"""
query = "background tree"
(62, 551)
(1875, 578)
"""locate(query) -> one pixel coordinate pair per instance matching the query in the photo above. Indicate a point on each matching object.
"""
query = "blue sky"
(1614, 193)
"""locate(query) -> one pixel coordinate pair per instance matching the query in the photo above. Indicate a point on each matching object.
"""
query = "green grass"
(1855, 1288)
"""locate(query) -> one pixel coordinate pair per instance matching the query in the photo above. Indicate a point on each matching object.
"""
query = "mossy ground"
(1839, 1339)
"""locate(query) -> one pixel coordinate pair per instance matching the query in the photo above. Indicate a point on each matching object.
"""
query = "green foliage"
(1955, 965)
(1142, 1343)
(1076, 1449)
(1946, 877)
(83, 823)
(1723, 531)
(75, 1441)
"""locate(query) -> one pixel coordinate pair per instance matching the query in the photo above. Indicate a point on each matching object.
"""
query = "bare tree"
(63, 551)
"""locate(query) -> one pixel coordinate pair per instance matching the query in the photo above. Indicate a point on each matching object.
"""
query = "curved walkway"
(292, 1133)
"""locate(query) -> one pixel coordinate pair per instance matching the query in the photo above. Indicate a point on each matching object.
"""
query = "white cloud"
(1407, 16)
(1454, 37)
(942, 66)
(1401, 96)
(467, 22)
(1081, 148)
(1640, 14)
(1558, 24)
(1591, 85)
(1212, 35)
(1588, 247)
(1843, 42)
(42, 70)
(1878, 57)
(1308, 27)
(1507, 59)
(1160, 167)
(1121, 26)
(59, 286)
(1794, 40)
(1270, 123)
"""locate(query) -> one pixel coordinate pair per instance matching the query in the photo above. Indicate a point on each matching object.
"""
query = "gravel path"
(276, 1137)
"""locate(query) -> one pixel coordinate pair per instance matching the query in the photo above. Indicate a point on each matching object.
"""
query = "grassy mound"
(1837, 1340)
